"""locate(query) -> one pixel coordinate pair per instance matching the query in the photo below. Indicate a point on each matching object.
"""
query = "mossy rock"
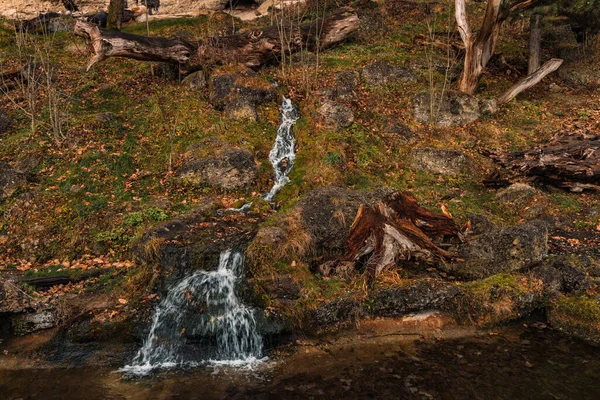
(577, 316)
(497, 299)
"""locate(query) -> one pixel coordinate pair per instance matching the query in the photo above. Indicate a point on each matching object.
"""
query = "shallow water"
(513, 363)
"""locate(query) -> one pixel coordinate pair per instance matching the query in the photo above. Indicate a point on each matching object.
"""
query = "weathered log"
(254, 48)
(63, 279)
(530, 80)
(395, 229)
(568, 162)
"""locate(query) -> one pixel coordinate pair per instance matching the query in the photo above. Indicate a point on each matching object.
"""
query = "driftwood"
(395, 229)
(568, 162)
(49, 281)
(254, 48)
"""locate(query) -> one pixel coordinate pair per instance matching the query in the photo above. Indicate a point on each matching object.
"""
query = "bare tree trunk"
(530, 80)
(478, 48)
(254, 48)
(535, 44)
(115, 14)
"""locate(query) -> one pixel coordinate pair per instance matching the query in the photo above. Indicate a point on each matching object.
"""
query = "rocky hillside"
(117, 181)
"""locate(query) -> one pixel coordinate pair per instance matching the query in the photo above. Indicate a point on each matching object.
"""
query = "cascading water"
(283, 153)
(204, 305)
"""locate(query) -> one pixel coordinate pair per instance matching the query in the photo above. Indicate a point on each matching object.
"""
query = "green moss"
(498, 299)
(577, 315)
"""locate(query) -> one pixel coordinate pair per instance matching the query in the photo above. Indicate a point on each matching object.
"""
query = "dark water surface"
(513, 363)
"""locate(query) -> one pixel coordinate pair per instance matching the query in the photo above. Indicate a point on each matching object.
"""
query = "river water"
(511, 363)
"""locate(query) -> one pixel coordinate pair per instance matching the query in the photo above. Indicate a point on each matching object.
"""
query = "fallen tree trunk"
(254, 48)
(396, 229)
(49, 281)
(530, 80)
(568, 162)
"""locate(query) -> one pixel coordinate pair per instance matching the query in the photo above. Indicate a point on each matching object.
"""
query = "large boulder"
(381, 73)
(244, 87)
(229, 168)
(498, 299)
(576, 315)
(10, 180)
(503, 250)
(327, 213)
(26, 323)
(438, 161)
(418, 295)
(336, 115)
(346, 84)
(455, 109)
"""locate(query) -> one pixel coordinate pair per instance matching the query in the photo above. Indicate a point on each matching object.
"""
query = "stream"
(513, 362)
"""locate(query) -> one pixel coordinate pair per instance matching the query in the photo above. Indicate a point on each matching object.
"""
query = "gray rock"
(518, 195)
(327, 213)
(381, 73)
(480, 224)
(403, 133)
(281, 287)
(346, 83)
(195, 80)
(419, 295)
(334, 314)
(456, 109)
(26, 323)
(239, 110)
(580, 74)
(336, 115)
(573, 279)
(502, 250)
(438, 161)
(224, 89)
(231, 168)
(10, 180)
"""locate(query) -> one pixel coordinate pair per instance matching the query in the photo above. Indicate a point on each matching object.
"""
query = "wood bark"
(568, 162)
(535, 44)
(254, 48)
(115, 14)
(49, 281)
(479, 48)
(396, 229)
(530, 80)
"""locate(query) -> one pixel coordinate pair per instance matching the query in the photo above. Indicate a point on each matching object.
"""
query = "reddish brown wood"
(395, 229)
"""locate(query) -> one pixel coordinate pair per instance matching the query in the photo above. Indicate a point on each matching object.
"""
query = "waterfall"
(283, 153)
(204, 305)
